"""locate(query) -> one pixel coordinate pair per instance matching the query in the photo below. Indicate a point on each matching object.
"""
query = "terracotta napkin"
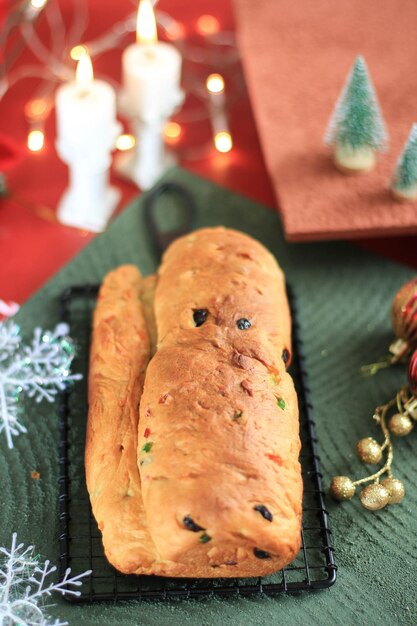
(296, 57)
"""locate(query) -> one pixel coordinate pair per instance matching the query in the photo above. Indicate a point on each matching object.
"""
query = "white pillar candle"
(85, 107)
(151, 93)
(151, 71)
(87, 130)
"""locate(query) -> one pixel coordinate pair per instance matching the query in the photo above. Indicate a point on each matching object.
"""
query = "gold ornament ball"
(395, 489)
(342, 488)
(400, 425)
(369, 451)
(374, 497)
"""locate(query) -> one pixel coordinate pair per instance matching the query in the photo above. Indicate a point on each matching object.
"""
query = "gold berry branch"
(403, 411)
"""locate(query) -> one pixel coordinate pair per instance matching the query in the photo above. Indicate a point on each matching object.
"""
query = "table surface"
(374, 553)
(34, 246)
(343, 310)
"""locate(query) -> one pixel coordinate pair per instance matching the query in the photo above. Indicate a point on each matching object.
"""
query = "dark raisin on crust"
(190, 524)
(266, 513)
(200, 316)
(243, 323)
(261, 554)
(285, 355)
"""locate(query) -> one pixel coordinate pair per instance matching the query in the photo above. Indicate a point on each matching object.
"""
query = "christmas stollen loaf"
(218, 429)
(119, 354)
(219, 492)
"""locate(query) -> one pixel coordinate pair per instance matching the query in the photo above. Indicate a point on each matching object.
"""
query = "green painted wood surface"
(344, 301)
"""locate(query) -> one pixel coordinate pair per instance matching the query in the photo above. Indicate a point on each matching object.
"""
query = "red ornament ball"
(412, 373)
(404, 312)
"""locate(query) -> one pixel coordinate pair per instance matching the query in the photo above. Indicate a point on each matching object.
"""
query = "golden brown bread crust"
(118, 358)
(213, 442)
(217, 448)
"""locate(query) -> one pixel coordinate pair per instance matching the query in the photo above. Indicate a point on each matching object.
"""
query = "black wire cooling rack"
(80, 539)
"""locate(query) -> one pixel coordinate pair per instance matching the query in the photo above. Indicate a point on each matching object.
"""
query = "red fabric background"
(33, 248)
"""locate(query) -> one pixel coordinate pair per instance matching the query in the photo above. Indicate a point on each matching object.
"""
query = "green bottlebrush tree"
(356, 128)
(404, 180)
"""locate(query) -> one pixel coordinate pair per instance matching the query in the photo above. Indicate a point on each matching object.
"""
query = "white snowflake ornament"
(40, 370)
(25, 584)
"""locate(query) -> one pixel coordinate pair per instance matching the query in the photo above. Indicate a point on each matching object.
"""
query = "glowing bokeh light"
(125, 142)
(77, 52)
(223, 141)
(215, 83)
(208, 25)
(36, 140)
(172, 130)
(175, 30)
(35, 108)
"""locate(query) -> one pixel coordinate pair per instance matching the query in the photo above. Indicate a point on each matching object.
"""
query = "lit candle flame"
(146, 34)
(84, 74)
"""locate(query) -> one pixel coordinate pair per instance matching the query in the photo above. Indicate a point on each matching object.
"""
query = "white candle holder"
(89, 201)
(149, 159)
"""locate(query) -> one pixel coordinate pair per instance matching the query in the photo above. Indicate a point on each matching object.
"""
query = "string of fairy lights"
(208, 57)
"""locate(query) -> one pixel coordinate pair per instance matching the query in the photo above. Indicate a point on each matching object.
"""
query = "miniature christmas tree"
(404, 180)
(356, 128)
